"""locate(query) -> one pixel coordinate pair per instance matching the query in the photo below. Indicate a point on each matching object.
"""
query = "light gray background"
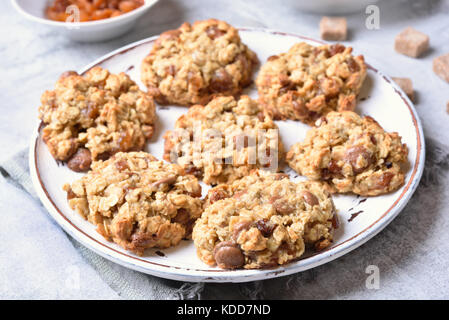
(38, 260)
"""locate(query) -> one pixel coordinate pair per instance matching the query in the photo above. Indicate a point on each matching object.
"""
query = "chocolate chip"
(352, 156)
(221, 81)
(80, 161)
(282, 206)
(384, 180)
(228, 255)
(104, 155)
(310, 198)
(333, 167)
(239, 227)
(213, 32)
(300, 108)
(168, 180)
(182, 216)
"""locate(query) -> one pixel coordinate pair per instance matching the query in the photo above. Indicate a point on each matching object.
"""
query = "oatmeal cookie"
(193, 63)
(137, 201)
(263, 220)
(224, 140)
(351, 154)
(308, 82)
(93, 116)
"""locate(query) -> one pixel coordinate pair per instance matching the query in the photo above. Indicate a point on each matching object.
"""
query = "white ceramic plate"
(360, 218)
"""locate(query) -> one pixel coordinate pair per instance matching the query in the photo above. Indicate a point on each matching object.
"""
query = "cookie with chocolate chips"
(308, 82)
(194, 63)
(263, 220)
(350, 153)
(92, 116)
(224, 140)
(137, 201)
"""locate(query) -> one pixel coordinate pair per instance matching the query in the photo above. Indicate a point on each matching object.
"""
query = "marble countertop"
(36, 256)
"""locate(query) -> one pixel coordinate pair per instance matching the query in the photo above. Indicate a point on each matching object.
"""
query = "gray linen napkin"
(342, 278)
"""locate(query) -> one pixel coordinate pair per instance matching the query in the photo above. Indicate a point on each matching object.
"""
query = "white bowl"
(331, 6)
(91, 31)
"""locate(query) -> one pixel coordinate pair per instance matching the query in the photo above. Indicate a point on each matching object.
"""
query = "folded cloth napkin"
(334, 279)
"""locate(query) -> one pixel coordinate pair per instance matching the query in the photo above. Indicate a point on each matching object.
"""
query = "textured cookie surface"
(192, 64)
(101, 112)
(351, 154)
(308, 82)
(263, 220)
(137, 201)
(224, 140)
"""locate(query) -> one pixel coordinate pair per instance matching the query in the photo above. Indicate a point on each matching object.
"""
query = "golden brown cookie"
(194, 63)
(308, 82)
(137, 201)
(263, 220)
(351, 154)
(224, 140)
(93, 116)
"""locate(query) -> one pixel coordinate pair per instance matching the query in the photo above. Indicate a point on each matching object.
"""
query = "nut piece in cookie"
(137, 201)
(308, 82)
(263, 220)
(194, 63)
(351, 154)
(224, 140)
(94, 116)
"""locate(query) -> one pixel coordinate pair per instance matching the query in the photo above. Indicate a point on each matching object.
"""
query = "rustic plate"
(360, 218)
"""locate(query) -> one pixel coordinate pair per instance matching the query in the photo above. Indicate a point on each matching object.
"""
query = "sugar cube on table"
(447, 107)
(406, 85)
(333, 28)
(441, 67)
(411, 42)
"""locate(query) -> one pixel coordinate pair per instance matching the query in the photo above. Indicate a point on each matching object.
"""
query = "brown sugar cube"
(447, 107)
(406, 85)
(441, 67)
(333, 28)
(411, 42)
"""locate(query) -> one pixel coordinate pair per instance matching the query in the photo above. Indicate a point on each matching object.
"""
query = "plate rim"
(215, 275)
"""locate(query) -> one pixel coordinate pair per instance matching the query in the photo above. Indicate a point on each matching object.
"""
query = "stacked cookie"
(254, 216)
